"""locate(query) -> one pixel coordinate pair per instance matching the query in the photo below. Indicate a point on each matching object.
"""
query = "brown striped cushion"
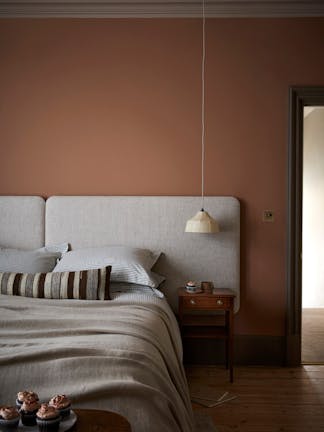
(82, 285)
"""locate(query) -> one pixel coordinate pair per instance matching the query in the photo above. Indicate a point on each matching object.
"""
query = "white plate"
(65, 424)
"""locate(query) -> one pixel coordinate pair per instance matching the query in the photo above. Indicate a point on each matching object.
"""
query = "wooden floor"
(268, 399)
(313, 336)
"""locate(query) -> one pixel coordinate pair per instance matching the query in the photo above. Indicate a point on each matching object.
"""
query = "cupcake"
(9, 418)
(28, 411)
(21, 396)
(48, 418)
(62, 403)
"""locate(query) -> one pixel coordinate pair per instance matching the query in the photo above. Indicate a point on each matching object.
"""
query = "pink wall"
(113, 107)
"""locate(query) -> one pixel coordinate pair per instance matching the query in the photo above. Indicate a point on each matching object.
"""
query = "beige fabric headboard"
(22, 222)
(156, 223)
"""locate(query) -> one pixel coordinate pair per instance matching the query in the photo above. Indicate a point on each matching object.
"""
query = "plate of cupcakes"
(30, 415)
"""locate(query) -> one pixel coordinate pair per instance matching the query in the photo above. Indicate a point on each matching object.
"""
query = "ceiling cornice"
(159, 9)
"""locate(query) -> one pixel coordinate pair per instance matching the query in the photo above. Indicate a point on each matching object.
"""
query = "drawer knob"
(219, 302)
(192, 301)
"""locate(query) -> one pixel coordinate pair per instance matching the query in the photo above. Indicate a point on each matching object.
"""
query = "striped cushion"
(83, 285)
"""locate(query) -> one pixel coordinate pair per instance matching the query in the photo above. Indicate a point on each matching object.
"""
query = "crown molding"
(159, 9)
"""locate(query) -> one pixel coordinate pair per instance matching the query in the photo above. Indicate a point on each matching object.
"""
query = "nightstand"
(203, 315)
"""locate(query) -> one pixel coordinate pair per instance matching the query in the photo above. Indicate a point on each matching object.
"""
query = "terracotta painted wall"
(113, 107)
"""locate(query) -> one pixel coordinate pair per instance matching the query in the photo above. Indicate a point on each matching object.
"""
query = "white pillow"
(41, 260)
(129, 264)
(62, 248)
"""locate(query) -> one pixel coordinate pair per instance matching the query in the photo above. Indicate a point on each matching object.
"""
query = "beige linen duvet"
(122, 355)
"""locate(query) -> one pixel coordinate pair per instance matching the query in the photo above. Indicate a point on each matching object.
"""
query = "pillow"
(82, 285)
(41, 260)
(129, 264)
(62, 248)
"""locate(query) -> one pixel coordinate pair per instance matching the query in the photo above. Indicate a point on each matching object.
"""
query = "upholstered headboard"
(156, 223)
(22, 222)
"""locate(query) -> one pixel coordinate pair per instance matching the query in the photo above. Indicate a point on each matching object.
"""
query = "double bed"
(122, 353)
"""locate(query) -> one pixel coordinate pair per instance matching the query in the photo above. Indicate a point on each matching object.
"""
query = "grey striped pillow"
(82, 285)
(129, 264)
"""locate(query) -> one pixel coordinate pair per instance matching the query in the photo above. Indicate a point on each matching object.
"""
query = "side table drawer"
(207, 302)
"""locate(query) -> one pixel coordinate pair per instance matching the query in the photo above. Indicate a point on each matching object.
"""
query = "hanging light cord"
(203, 61)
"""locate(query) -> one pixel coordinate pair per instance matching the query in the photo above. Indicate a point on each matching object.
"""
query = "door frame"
(299, 97)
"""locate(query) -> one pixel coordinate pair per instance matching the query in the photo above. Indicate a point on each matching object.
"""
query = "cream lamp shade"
(202, 222)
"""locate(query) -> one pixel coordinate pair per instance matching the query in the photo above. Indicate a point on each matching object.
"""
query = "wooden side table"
(206, 324)
(89, 420)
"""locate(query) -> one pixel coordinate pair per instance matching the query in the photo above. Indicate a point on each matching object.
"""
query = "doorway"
(299, 99)
(312, 320)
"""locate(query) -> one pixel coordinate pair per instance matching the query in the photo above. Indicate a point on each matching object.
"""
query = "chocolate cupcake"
(48, 418)
(28, 411)
(9, 419)
(26, 394)
(62, 403)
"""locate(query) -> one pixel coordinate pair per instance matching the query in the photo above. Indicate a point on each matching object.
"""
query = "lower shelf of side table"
(204, 332)
(204, 326)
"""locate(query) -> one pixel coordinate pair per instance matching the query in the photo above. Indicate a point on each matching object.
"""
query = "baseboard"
(248, 350)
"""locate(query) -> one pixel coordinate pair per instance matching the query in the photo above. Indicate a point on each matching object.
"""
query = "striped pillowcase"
(82, 285)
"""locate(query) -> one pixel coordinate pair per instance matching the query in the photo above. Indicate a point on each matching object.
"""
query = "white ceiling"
(160, 9)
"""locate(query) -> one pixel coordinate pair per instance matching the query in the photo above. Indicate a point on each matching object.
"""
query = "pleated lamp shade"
(202, 222)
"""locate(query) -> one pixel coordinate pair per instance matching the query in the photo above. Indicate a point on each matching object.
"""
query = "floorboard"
(268, 399)
(313, 335)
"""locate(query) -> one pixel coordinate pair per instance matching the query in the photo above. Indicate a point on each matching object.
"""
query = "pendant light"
(202, 222)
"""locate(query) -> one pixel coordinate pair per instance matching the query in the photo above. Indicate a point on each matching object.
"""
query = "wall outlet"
(268, 216)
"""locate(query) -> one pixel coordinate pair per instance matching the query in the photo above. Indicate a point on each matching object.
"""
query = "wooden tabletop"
(99, 421)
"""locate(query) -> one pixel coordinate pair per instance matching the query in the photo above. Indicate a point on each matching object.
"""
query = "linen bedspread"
(123, 355)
